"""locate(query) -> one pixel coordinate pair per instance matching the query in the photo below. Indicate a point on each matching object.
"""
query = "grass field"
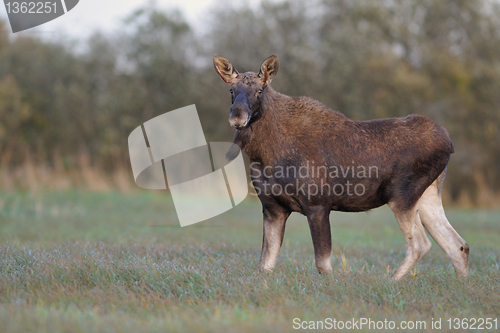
(84, 262)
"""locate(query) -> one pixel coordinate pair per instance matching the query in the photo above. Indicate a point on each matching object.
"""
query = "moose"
(308, 158)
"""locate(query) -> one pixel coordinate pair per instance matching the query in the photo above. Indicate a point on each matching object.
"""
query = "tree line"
(64, 104)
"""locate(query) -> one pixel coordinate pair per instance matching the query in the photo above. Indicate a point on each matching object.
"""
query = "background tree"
(438, 58)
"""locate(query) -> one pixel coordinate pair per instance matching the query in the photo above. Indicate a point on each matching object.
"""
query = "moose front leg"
(274, 229)
(319, 223)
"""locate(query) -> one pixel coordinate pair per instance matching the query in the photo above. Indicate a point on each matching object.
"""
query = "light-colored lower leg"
(417, 243)
(434, 220)
(274, 230)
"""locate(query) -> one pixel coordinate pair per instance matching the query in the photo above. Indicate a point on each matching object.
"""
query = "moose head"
(247, 89)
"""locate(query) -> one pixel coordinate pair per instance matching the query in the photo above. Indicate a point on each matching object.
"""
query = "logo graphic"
(28, 14)
(203, 183)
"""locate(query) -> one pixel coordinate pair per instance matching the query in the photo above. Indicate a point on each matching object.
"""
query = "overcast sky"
(90, 15)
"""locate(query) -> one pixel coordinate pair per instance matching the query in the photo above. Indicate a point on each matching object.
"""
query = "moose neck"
(264, 137)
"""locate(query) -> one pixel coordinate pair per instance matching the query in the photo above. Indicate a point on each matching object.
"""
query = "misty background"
(67, 105)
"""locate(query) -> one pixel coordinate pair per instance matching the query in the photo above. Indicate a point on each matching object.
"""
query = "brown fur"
(277, 131)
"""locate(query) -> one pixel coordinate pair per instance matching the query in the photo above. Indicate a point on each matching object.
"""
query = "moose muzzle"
(239, 114)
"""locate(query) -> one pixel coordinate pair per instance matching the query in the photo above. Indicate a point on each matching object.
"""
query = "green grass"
(84, 262)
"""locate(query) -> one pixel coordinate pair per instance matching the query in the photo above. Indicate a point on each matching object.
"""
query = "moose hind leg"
(417, 242)
(273, 231)
(319, 224)
(435, 221)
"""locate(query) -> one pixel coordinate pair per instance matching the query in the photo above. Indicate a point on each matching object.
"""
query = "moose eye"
(231, 91)
(260, 91)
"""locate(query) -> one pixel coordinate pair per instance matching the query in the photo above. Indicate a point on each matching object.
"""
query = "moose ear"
(269, 69)
(224, 68)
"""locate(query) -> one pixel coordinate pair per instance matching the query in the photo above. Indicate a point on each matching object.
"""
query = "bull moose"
(310, 159)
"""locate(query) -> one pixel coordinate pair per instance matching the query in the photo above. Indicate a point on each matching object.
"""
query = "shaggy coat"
(310, 159)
